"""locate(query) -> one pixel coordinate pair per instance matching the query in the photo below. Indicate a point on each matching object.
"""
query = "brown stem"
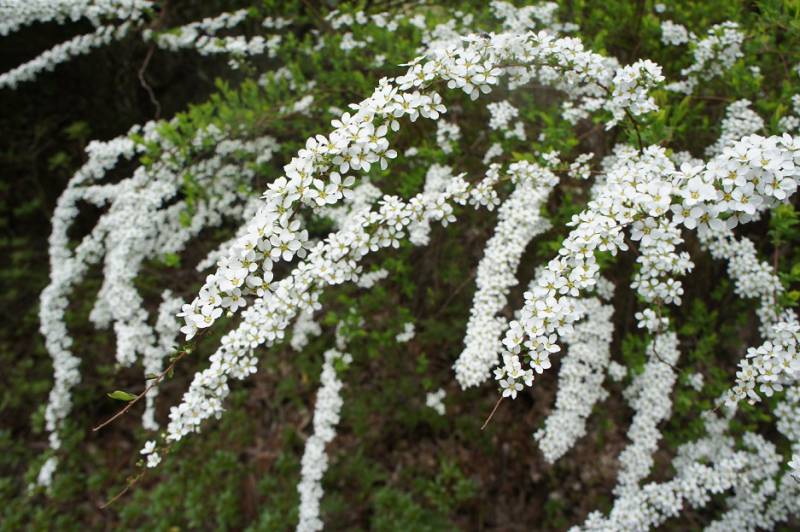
(132, 482)
(636, 127)
(146, 85)
(488, 419)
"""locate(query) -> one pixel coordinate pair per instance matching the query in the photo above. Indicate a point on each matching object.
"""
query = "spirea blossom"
(270, 277)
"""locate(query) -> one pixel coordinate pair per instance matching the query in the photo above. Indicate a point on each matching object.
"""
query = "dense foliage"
(402, 265)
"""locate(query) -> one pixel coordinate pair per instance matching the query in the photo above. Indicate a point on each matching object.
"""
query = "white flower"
(510, 387)
(149, 447)
(435, 401)
(153, 460)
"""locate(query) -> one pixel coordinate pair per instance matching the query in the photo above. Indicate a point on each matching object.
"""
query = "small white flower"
(149, 447)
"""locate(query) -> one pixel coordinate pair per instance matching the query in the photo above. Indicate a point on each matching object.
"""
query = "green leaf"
(172, 260)
(119, 395)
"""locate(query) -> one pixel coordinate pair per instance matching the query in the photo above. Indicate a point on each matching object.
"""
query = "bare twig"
(150, 386)
(146, 85)
(132, 482)
(488, 419)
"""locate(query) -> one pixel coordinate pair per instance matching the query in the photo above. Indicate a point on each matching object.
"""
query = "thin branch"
(132, 482)
(488, 419)
(636, 127)
(146, 85)
(150, 386)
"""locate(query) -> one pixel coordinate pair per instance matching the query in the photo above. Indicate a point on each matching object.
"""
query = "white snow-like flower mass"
(645, 201)
(518, 223)
(407, 334)
(674, 34)
(435, 400)
(580, 379)
(327, 409)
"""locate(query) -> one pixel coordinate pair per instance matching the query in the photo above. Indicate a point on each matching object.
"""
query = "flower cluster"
(649, 396)
(713, 55)
(502, 114)
(407, 334)
(675, 34)
(202, 36)
(768, 366)
(580, 379)
(435, 400)
(303, 330)
(330, 262)
(315, 461)
(274, 270)
(80, 45)
(18, 13)
(139, 224)
(518, 223)
(740, 120)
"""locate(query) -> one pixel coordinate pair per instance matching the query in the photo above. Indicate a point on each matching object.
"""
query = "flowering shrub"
(598, 195)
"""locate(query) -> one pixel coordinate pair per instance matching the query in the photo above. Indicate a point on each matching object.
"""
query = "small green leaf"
(171, 260)
(119, 395)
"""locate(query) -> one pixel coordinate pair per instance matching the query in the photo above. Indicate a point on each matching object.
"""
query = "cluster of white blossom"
(115, 19)
(708, 466)
(369, 279)
(303, 330)
(740, 120)
(407, 333)
(630, 87)
(447, 135)
(580, 379)
(791, 123)
(435, 400)
(327, 408)
(519, 221)
(753, 278)
(658, 260)
(695, 381)
(642, 198)
(202, 36)
(494, 151)
(649, 396)
(617, 371)
(140, 223)
(675, 34)
(502, 113)
(716, 464)
(15, 14)
(79, 45)
(526, 18)
(769, 366)
(713, 55)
